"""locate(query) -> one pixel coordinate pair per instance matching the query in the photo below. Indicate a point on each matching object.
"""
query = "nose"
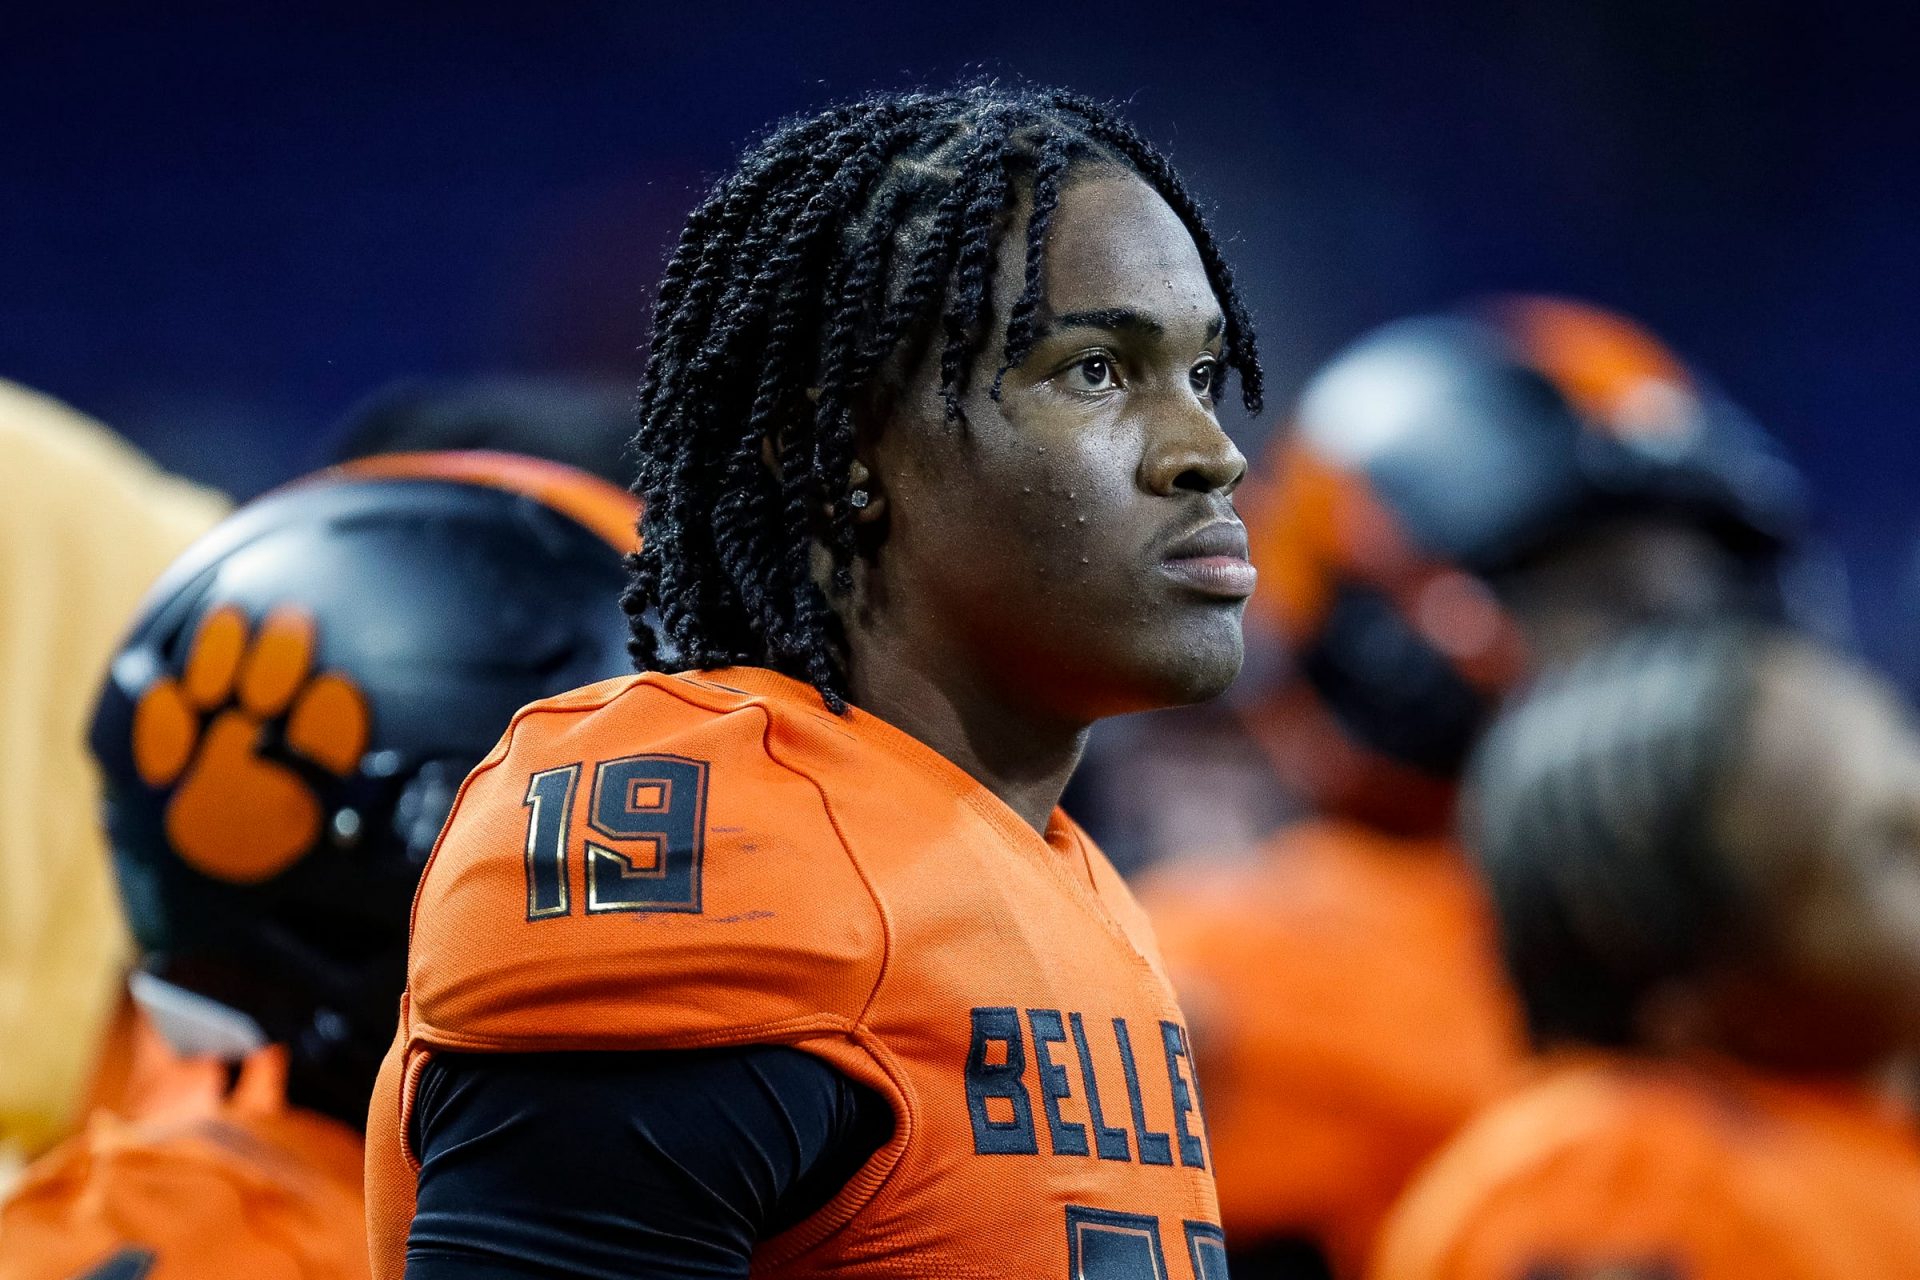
(1187, 451)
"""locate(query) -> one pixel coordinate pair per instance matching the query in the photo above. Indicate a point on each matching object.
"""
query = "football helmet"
(284, 730)
(1428, 464)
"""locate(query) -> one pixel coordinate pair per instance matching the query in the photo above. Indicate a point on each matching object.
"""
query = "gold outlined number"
(644, 843)
(1103, 1244)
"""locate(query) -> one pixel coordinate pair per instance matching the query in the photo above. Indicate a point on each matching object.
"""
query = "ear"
(863, 494)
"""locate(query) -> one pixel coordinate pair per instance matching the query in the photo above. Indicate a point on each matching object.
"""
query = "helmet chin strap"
(193, 1025)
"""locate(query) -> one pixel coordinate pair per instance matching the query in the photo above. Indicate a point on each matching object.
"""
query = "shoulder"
(211, 1196)
(1602, 1161)
(654, 832)
(686, 714)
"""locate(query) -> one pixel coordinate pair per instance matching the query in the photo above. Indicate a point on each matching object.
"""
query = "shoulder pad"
(644, 863)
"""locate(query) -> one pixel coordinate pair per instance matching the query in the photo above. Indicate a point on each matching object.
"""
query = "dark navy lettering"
(1154, 1147)
(990, 1081)
(1173, 1038)
(1111, 1142)
(1069, 1139)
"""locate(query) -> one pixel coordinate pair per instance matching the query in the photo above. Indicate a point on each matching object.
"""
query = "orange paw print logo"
(235, 813)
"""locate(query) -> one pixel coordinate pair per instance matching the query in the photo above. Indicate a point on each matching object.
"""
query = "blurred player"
(281, 736)
(1705, 854)
(86, 524)
(782, 957)
(1464, 498)
(88, 527)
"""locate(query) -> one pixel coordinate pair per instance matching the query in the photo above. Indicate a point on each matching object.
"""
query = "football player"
(1464, 499)
(86, 524)
(1705, 855)
(280, 737)
(781, 956)
(89, 524)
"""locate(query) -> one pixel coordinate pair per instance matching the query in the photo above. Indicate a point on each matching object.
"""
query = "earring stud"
(858, 499)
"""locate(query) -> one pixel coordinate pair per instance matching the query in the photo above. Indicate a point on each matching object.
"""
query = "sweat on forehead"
(1120, 259)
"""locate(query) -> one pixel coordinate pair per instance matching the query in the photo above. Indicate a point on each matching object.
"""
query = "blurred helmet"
(583, 422)
(1428, 460)
(283, 732)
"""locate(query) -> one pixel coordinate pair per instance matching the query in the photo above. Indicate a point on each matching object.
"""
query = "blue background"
(221, 226)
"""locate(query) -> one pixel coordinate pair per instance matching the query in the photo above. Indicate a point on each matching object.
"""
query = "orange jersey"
(210, 1188)
(1614, 1169)
(1350, 1014)
(666, 862)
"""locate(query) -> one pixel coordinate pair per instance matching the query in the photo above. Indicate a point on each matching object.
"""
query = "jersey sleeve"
(647, 863)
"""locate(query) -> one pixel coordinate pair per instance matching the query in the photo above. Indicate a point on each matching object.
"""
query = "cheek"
(1064, 512)
(1867, 931)
(1896, 910)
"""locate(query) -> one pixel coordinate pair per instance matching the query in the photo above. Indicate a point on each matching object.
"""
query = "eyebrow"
(1120, 320)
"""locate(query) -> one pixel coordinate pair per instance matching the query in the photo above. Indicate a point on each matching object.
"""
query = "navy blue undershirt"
(579, 1166)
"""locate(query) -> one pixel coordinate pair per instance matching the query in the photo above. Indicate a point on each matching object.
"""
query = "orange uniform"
(667, 862)
(1617, 1169)
(1350, 1014)
(211, 1187)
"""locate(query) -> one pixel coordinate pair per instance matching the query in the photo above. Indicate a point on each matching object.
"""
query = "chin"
(1196, 664)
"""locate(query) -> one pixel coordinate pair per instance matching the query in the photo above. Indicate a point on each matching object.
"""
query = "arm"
(566, 1166)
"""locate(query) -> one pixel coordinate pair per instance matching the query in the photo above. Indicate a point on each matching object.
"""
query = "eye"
(1094, 372)
(1205, 377)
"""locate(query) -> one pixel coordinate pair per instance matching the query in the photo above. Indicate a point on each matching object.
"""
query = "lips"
(1213, 561)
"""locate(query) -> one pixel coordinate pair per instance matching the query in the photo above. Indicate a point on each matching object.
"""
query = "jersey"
(709, 859)
(86, 524)
(1606, 1168)
(1350, 1013)
(219, 1187)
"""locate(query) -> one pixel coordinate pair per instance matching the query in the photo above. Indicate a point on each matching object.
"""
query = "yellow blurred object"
(86, 524)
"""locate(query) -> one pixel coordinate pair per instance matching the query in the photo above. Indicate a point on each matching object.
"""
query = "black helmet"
(282, 733)
(1432, 457)
(1493, 431)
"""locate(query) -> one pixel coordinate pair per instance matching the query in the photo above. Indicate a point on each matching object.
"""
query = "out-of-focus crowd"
(1545, 899)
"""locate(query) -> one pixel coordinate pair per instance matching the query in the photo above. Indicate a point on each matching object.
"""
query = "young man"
(279, 739)
(1705, 855)
(1465, 499)
(782, 956)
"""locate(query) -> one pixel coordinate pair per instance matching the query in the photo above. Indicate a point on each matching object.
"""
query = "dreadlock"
(841, 242)
(1592, 821)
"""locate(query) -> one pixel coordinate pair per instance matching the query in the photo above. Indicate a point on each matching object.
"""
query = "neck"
(1023, 757)
(1772, 1023)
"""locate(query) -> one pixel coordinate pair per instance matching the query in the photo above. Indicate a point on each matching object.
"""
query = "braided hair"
(1591, 817)
(840, 244)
